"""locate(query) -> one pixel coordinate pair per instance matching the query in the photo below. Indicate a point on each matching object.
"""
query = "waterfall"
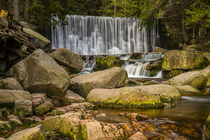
(137, 68)
(92, 35)
(88, 65)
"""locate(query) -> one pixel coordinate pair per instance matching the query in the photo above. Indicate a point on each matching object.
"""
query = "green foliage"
(198, 14)
(19, 113)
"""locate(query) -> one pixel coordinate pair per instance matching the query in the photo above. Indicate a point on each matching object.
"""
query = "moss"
(199, 82)
(172, 73)
(19, 113)
(82, 132)
(108, 62)
(154, 72)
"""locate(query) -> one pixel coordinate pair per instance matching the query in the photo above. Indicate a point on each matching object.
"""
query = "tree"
(16, 9)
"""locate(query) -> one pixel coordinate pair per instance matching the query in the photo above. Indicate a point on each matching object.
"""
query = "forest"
(183, 22)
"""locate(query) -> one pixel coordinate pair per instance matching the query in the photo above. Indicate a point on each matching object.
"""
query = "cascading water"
(137, 68)
(91, 35)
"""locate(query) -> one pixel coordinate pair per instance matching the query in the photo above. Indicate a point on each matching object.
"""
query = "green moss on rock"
(108, 62)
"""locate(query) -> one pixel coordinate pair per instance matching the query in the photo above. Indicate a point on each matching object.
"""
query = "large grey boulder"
(72, 62)
(39, 73)
(9, 97)
(110, 78)
(72, 97)
(35, 133)
(151, 96)
(39, 40)
(187, 90)
(10, 83)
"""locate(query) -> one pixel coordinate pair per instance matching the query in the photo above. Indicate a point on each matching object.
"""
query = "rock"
(44, 108)
(183, 60)
(39, 73)
(35, 133)
(71, 61)
(9, 97)
(25, 106)
(138, 136)
(77, 107)
(152, 96)
(136, 56)
(110, 78)
(72, 97)
(10, 83)
(2, 139)
(25, 24)
(159, 49)
(187, 90)
(207, 91)
(67, 125)
(103, 63)
(38, 99)
(95, 130)
(73, 75)
(71, 126)
(14, 120)
(172, 73)
(5, 128)
(194, 78)
(38, 39)
(206, 73)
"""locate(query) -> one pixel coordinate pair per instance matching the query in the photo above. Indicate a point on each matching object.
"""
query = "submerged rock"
(152, 96)
(40, 73)
(10, 83)
(9, 97)
(28, 134)
(110, 78)
(183, 60)
(103, 63)
(72, 62)
(195, 79)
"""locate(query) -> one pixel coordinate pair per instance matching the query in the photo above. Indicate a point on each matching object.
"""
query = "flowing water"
(137, 68)
(91, 35)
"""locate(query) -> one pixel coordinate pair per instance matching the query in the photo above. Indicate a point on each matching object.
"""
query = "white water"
(137, 68)
(91, 35)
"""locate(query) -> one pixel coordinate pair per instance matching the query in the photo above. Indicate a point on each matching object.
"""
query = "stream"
(184, 121)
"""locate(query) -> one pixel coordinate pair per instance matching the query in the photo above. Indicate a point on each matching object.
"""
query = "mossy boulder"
(110, 78)
(183, 60)
(152, 96)
(35, 133)
(194, 78)
(44, 108)
(103, 63)
(10, 83)
(71, 126)
(172, 73)
(39, 73)
(206, 73)
(72, 62)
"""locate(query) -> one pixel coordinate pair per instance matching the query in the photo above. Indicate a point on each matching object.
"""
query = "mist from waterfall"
(92, 35)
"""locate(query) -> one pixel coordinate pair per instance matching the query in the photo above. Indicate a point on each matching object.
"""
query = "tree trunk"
(26, 14)
(184, 31)
(16, 9)
(115, 8)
